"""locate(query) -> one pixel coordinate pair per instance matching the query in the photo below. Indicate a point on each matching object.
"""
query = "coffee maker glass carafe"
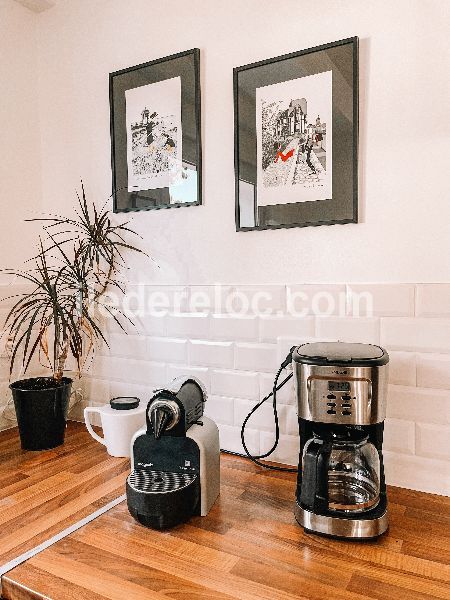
(343, 472)
(353, 476)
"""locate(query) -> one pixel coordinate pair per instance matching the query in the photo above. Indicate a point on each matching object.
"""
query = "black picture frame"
(186, 65)
(341, 57)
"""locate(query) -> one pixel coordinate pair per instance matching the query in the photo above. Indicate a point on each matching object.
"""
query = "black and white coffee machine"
(341, 392)
(175, 459)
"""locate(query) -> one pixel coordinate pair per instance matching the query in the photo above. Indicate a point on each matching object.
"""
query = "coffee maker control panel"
(338, 400)
(329, 396)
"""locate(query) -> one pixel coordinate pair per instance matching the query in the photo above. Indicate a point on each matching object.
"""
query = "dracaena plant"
(78, 260)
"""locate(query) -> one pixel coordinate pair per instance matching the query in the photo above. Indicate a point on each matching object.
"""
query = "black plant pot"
(41, 410)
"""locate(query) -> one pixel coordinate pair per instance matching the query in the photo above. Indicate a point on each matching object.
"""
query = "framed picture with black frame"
(296, 139)
(156, 152)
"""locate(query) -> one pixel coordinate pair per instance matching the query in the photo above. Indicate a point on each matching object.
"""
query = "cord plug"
(288, 360)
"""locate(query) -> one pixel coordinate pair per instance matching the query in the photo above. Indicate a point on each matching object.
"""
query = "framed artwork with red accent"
(296, 139)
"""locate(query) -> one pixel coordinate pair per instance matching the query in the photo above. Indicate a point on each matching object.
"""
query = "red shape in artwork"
(284, 157)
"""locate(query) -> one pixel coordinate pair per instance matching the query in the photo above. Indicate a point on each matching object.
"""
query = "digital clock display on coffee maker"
(339, 386)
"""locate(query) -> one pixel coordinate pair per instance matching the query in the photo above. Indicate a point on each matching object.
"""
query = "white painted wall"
(20, 177)
(405, 131)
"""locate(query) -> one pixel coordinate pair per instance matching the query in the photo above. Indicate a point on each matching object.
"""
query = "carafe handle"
(92, 409)
(314, 489)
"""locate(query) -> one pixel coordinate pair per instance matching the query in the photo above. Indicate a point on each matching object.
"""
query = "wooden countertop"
(42, 493)
(249, 547)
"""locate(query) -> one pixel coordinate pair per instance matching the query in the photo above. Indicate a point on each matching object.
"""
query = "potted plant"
(78, 259)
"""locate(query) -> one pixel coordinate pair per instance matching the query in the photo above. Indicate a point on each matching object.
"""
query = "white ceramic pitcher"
(119, 420)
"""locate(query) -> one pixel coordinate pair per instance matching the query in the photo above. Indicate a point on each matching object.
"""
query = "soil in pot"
(41, 404)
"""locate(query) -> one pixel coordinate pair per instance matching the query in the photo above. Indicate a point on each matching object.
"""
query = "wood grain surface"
(42, 493)
(249, 547)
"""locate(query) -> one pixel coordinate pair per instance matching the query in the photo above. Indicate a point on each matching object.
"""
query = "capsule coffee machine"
(175, 459)
(341, 392)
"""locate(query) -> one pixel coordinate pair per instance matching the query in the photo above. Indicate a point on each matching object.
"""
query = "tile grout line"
(15, 562)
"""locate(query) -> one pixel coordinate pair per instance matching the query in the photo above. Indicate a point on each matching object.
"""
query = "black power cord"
(273, 395)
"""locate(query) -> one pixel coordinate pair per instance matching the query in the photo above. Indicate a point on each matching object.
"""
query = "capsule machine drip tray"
(162, 499)
(148, 481)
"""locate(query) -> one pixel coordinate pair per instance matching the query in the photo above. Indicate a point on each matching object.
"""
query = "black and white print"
(294, 140)
(154, 135)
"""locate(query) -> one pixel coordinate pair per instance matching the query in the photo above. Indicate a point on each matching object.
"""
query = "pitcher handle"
(92, 409)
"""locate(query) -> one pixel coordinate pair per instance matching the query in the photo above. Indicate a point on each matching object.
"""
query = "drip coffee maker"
(341, 393)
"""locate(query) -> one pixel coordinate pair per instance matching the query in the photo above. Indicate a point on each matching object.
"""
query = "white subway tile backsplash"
(256, 357)
(271, 328)
(221, 410)
(259, 298)
(201, 373)
(167, 350)
(151, 298)
(128, 346)
(391, 300)
(236, 356)
(417, 473)
(96, 391)
(433, 300)
(420, 334)
(124, 388)
(145, 324)
(136, 323)
(129, 370)
(210, 298)
(229, 327)
(188, 325)
(433, 371)
(164, 297)
(262, 418)
(285, 395)
(363, 330)
(418, 404)
(318, 300)
(402, 368)
(287, 451)
(433, 441)
(100, 391)
(291, 427)
(211, 354)
(399, 436)
(235, 384)
(230, 439)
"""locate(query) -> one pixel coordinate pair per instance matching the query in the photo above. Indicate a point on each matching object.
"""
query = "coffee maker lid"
(323, 353)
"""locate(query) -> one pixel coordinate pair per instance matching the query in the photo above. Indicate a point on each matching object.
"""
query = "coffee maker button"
(346, 405)
(331, 403)
(346, 398)
(331, 412)
(346, 413)
(331, 397)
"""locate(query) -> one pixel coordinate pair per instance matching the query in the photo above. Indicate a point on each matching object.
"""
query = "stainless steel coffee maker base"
(341, 528)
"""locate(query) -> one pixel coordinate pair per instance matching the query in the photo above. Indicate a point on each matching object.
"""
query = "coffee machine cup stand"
(341, 393)
(175, 458)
